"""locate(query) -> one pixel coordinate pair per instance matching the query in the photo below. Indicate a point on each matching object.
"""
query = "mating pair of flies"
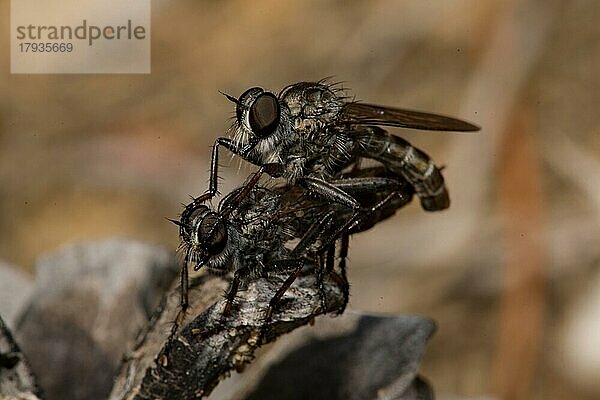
(314, 137)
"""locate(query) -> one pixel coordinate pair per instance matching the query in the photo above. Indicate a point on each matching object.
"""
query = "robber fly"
(311, 131)
(257, 230)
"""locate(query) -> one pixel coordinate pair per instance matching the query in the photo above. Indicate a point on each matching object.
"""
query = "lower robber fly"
(252, 232)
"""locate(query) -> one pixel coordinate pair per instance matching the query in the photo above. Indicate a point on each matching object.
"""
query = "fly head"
(204, 232)
(259, 110)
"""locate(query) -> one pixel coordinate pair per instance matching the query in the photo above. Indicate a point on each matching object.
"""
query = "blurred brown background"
(510, 272)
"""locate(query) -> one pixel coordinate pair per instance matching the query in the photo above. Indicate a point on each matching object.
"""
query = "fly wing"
(371, 114)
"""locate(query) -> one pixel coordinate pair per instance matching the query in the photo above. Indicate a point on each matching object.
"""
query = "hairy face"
(257, 116)
(204, 235)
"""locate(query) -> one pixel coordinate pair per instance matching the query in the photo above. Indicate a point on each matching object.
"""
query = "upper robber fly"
(310, 132)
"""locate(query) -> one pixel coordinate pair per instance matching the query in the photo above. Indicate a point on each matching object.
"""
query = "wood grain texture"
(208, 347)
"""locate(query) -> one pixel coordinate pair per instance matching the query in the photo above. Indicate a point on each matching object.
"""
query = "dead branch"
(16, 379)
(208, 347)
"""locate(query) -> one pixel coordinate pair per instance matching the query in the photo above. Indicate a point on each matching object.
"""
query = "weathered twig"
(16, 379)
(74, 341)
(208, 346)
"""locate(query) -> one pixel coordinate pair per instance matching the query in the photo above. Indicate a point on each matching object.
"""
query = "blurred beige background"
(511, 272)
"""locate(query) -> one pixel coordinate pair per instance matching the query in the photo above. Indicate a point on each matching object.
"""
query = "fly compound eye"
(264, 114)
(189, 216)
(212, 234)
(245, 100)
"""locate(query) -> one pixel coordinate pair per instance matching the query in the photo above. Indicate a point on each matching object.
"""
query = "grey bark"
(88, 303)
(16, 379)
(90, 300)
(208, 347)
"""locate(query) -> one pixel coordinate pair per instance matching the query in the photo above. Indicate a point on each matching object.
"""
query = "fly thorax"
(294, 169)
(312, 129)
(323, 171)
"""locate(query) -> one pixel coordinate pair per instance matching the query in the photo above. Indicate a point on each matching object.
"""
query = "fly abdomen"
(400, 157)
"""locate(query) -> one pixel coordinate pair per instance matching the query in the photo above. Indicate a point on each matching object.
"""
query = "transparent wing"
(371, 114)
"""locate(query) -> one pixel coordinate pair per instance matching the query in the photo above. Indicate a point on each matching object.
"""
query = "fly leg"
(341, 190)
(359, 220)
(320, 270)
(271, 169)
(298, 264)
(231, 293)
(329, 191)
(354, 224)
(247, 188)
(233, 290)
(342, 265)
(233, 203)
(183, 299)
(183, 306)
(297, 260)
(370, 215)
(214, 169)
(357, 186)
(340, 280)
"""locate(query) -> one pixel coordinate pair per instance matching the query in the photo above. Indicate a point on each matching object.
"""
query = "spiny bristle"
(230, 98)
(178, 223)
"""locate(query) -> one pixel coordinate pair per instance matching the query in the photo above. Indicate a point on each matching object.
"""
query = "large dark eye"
(213, 234)
(264, 114)
(245, 100)
(188, 219)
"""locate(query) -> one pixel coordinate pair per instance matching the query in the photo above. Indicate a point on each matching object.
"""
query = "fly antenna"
(178, 223)
(230, 98)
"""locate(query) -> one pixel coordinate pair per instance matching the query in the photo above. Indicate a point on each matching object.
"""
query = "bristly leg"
(345, 244)
(320, 272)
(299, 265)
(232, 292)
(184, 299)
(284, 287)
(296, 261)
(183, 305)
